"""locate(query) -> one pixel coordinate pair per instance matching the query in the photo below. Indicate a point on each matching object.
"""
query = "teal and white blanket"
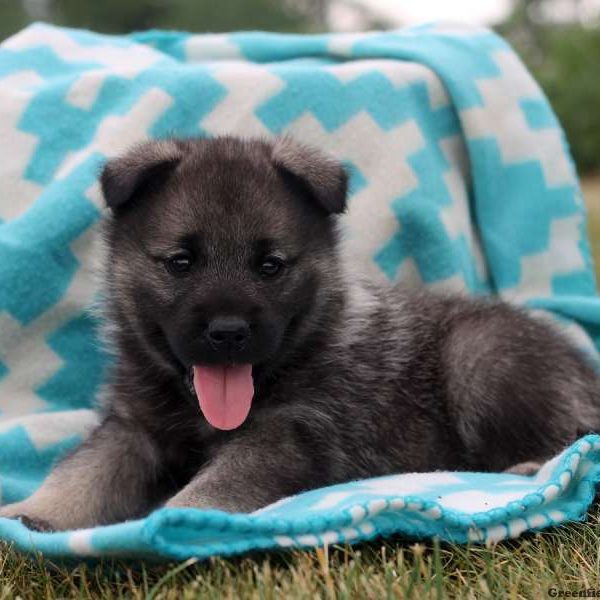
(461, 178)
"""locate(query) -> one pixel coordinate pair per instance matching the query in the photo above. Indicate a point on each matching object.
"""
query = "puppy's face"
(219, 253)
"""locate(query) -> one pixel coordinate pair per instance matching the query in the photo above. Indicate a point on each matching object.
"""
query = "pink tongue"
(225, 394)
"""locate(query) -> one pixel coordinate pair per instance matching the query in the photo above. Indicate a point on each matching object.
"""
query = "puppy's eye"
(180, 263)
(271, 267)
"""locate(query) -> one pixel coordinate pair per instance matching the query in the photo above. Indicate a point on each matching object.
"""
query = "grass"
(565, 558)
(591, 193)
(562, 559)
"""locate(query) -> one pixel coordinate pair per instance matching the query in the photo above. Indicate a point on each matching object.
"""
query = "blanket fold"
(460, 179)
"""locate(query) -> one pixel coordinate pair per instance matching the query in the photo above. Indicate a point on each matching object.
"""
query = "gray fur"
(352, 379)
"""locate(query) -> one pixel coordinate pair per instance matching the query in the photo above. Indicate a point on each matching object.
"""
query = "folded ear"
(123, 177)
(323, 176)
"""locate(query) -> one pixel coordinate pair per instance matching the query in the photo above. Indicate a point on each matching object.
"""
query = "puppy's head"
(221, 255)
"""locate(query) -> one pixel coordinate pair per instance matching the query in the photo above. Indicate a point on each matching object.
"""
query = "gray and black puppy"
(249, 367)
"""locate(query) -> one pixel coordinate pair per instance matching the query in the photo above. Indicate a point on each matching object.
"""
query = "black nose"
(228, 332)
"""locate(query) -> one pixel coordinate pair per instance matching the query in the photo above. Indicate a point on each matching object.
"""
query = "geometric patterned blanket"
(460, 178)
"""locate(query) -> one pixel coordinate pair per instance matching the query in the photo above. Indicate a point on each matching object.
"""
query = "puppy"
(249, 367)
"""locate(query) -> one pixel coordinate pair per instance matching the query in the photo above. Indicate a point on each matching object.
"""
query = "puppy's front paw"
(19, 512)
(11, 511)
(36, 524)
(186, 499)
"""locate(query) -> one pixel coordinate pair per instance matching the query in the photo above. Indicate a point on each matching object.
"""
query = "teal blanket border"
(184, 533)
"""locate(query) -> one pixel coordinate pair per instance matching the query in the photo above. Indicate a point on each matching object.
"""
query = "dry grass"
(591, 193)
(566, 558)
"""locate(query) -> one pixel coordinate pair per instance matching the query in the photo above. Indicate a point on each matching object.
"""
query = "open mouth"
(224, 393)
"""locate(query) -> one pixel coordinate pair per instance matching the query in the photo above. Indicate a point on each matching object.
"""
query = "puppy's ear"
(322, 176)
(124, 176)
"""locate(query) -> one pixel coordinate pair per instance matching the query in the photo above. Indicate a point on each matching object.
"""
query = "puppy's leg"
(256, 468)
(112, 476)
(517, 391)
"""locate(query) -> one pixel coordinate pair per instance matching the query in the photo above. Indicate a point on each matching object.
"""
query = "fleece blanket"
(461, 178)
